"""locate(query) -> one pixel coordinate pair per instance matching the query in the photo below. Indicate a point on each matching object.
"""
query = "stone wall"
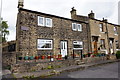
(8, 59)
(31, 67)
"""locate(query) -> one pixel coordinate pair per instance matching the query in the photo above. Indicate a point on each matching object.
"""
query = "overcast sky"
(102, 8)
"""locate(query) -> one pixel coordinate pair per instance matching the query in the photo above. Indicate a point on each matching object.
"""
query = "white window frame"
(79, 27)
(117, 44)
(39, 41)
(39, 24)
(50, 22)
(101, 27)
(102, 43)
(74, 29)
(115, 30)
(77, 42)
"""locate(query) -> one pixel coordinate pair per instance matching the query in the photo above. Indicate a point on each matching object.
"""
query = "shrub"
(8, 67)
(50, 67)
(118, 54)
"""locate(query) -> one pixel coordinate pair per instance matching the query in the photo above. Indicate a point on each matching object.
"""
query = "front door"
(95, 40)
(63, 48)
(111, 46)
(95, 47)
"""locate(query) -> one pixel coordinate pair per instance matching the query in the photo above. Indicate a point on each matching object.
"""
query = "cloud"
(102, 8)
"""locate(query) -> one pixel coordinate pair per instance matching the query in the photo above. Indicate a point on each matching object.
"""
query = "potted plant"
(48, 56)
(31, 57)
(118, 54)
(43, 57)
(89, 54)
(86, 55)
(66, 57)
(26, 57)
(36, 57)
(73, 55)
(59, 56)
(20, 57)
(83, 55)
(93, 55)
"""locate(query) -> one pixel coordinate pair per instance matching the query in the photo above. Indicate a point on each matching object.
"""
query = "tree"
(3, 29)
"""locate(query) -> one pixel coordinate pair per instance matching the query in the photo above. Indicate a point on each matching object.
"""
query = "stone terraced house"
(104, 36)
(44, 34)
(39, 34)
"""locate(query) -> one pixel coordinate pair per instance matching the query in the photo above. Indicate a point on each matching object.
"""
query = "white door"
(111, 46)
(63, 48)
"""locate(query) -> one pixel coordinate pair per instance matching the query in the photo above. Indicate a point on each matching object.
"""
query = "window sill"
(118, 49)
(102, 32)
(78, 49)
(116, 34)
(103, 49)
(44, 49)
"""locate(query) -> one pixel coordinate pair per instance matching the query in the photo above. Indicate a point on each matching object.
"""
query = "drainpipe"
(107, 36)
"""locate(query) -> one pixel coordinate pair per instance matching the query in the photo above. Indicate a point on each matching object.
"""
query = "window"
(111, 43)
(44, 44)
(117, 45)
(79, 26)
(77, 45)
(102, 42)
(44, 21)
(40, 21)
(48, 22)
(115, 30)
(74, 27)
(101, 27)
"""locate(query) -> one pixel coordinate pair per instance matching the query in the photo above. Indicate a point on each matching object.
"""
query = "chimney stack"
(73, 13)
(91, 15)
(20, 3)
(105, 20)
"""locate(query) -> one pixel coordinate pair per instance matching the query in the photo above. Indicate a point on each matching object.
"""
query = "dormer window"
(101, 27)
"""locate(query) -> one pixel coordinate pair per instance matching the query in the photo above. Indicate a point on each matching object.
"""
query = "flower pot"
(86, 55)
(42, 57)
(31, 57)
(36, 57)
(20, 58)
(55, 56)
(73, 55)
(93, 55)
(60, 56)
(89, 54)
(26, 57)
(48, 57)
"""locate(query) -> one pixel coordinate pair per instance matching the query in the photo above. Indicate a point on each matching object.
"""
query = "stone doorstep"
(60, 70)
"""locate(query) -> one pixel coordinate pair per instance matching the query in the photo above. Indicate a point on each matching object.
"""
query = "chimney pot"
(91, 15)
